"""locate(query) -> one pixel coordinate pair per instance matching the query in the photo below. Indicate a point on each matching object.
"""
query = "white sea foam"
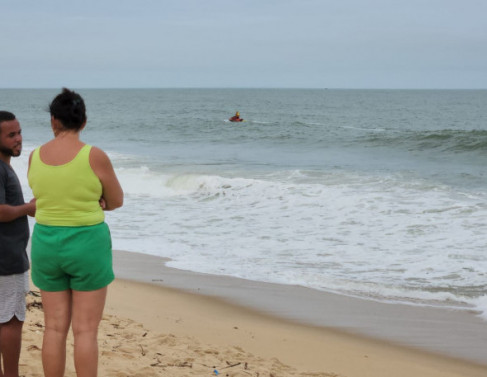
(377, 237)
(480, 303)
(380, 237)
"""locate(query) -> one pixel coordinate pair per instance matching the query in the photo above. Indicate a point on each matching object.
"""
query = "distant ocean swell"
(453, 141)
(325, 135)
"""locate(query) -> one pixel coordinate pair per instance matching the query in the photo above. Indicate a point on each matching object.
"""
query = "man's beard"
(10, 152)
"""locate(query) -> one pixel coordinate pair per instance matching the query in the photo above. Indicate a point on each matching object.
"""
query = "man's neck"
(5, 158)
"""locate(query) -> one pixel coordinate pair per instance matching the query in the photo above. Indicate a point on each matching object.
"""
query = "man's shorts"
(78, 258)
(13, 289)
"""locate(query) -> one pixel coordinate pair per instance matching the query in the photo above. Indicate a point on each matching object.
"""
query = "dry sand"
(154, 331)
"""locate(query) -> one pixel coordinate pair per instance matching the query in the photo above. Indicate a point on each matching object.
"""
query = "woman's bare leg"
(87, 313)
(57, 318)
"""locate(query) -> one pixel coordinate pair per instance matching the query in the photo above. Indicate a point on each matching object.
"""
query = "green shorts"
(78, 258)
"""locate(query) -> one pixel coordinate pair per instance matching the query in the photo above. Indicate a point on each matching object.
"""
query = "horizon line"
(227, 88)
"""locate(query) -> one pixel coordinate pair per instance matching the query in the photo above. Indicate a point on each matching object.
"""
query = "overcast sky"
(246, 43)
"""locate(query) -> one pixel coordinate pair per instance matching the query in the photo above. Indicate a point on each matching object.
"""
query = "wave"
(456, 141)
(447, 140)
(399, 239)
(165, 185)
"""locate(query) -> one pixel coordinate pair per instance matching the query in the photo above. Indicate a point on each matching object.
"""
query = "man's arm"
(10, 213)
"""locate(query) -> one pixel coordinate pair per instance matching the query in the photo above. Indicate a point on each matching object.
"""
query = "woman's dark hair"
(69, 108)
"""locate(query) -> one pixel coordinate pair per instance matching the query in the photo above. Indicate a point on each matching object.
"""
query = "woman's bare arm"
(112, 196)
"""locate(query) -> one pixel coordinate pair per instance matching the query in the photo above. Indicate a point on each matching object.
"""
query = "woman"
(71, 246)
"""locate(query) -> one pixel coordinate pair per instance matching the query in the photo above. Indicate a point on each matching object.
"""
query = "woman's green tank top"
(68, 194)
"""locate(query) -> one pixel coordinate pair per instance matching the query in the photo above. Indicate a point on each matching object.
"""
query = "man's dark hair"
(6, 116)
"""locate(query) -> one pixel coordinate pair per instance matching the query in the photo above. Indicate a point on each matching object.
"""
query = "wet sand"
(455, 333)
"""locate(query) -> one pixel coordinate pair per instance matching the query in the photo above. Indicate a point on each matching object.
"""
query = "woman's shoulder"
(98, 158)
(35, 152)
(97, 153)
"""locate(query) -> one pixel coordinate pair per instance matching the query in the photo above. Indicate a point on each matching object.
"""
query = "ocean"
(378, 194)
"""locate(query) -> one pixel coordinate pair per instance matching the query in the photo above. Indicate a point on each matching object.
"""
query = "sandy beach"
(165, 322)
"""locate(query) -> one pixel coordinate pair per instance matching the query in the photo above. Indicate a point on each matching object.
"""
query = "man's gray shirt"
(14, 235)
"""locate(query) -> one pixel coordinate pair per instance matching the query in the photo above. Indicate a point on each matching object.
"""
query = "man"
(14, 234)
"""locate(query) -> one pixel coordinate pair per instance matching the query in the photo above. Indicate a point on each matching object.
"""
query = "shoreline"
(455, 334)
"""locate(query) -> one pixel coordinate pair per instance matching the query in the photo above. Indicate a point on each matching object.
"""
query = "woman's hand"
(103, 203)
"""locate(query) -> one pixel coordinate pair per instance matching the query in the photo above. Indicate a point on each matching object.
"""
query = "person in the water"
(236, 118)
